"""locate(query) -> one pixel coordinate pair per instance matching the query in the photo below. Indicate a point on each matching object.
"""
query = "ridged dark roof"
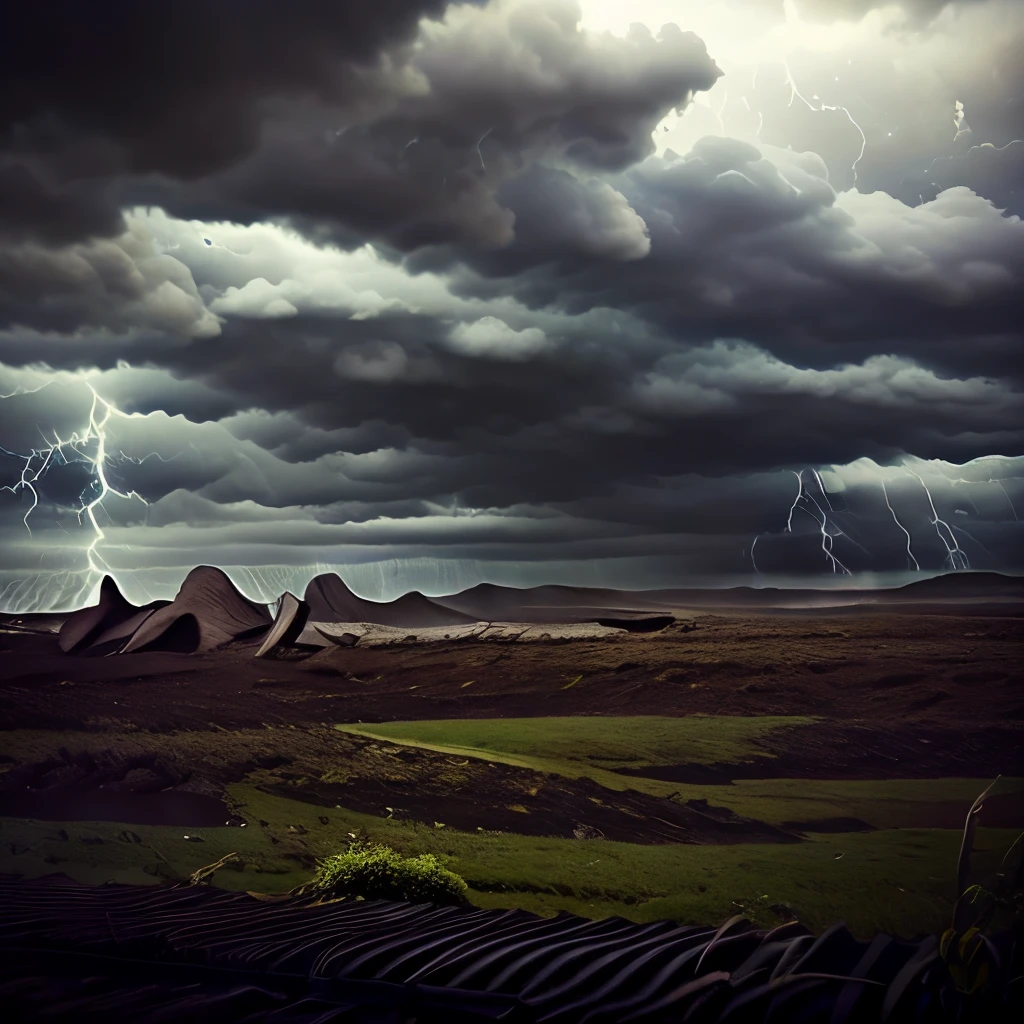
(197, 953)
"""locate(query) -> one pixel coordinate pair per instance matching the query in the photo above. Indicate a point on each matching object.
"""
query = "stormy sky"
(666, 292)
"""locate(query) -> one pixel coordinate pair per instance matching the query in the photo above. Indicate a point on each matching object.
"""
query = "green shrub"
(377, 872)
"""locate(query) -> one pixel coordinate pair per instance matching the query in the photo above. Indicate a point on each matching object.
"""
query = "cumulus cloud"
(491, 338)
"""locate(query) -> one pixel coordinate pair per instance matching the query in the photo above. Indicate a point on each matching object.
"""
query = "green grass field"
(899, 878)
(896, 880)
(593, 747)
(641, 741)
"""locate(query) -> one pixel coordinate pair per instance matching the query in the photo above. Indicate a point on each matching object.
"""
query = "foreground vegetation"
(901, 881)
(376, 872)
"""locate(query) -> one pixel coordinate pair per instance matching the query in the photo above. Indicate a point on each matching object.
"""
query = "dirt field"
(870, 732)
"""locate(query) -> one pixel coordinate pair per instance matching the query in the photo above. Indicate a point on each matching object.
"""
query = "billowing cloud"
(501, 288)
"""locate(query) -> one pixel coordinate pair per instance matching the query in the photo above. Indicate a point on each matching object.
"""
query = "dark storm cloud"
(494, 89)
(118, 283)
(175, 87)
(413, 157)
(560, 345)
(35, 208)
(739, 240)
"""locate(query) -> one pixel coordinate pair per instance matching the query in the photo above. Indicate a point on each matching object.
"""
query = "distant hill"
(209, 610)
(330, 600)
(964, 585)
(540, 604)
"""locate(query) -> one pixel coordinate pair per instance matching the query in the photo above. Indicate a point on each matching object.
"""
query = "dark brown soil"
(898, 697)
(171, 785)
(943, 672)
(500, 798)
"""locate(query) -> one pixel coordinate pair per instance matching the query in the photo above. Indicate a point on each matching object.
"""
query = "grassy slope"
(639, 741)
(586, 747)
(900, 880)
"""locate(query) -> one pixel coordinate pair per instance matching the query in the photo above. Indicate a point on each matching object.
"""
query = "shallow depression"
(169, 807)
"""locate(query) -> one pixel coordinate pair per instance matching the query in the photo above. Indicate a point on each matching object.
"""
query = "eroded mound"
(208, 611)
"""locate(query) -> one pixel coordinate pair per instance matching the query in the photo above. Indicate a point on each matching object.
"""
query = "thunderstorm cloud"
(517, 290)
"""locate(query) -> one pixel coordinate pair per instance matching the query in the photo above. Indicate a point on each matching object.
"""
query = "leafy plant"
(376, 872)
(969, 955)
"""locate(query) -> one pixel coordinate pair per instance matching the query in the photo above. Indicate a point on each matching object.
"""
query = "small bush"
(379, 873)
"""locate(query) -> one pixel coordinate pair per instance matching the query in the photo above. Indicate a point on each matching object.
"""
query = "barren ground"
(883, 729)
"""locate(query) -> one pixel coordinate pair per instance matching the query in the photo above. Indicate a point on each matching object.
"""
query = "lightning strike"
(795, 93)
(1009, 501)
(955, 556)
(65, 451)
(906, 532)
(721, 110)
(827, 539)
(796, 501)
(960, 123)
(821, 487)
(483, 166)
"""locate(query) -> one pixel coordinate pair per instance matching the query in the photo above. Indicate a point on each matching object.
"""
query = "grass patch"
(640, 741)
(593, 747)
(884, 804)
(900, 881)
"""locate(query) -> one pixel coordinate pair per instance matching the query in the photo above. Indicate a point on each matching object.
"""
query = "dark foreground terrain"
(747, 762)
(793, 770)
(196, 954)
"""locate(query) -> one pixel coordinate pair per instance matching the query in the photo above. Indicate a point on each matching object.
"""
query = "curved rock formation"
(98, 628)
(114, 638)
(208, 611)
(291, 618)
(330, 600)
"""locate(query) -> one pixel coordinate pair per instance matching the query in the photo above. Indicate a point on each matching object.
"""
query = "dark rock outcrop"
(208, 611)
(104, 626)
(291, 618)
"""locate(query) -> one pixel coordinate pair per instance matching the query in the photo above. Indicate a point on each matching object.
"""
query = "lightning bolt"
(906, 532)
(1009, 500)
(483, 166)
(821, 487)
(76, 449)
(796, 501)
(827, 539)
(955, 556)
(752, 560)
(795, 93)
